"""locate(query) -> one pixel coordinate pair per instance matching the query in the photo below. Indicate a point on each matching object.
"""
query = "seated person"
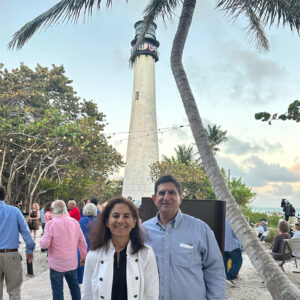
(283, 233)
(261, 227)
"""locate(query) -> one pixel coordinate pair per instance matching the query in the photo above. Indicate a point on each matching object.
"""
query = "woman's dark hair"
(47, 206)
(81, 205)
(100, 234)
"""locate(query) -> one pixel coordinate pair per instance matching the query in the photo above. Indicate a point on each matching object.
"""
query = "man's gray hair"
(73, 202)
(90, 210)
(59, 208)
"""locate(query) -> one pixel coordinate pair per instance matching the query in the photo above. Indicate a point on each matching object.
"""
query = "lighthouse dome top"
(150, 45)
(150, 31)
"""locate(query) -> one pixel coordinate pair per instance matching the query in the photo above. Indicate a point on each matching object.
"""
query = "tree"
(293, 113)
(242, 194)
(48, 135)
(216, 136)
(184, 154)
(193, 180)
(259, 13)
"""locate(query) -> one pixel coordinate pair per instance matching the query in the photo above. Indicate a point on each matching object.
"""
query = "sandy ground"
(249, 285)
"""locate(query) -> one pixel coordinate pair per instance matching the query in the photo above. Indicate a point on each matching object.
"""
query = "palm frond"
(63, 12)
(264, 12)
(256, 31)
(164, 8)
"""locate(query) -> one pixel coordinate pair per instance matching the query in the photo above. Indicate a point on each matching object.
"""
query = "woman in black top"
(119, 266)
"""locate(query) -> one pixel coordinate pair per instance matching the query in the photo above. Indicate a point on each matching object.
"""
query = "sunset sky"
(231, 81)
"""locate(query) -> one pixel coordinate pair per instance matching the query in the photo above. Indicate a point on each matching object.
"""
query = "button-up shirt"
(189, 260)
(62, 236)
(12, 223)
(231, 241)
(75, 213)
(42, 213)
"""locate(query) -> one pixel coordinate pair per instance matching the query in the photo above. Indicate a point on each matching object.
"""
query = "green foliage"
(49, 136)
(270, 236)
(110, 188)
(184, 154)
(293, 113)
(241, 193)
(194, 182)
(216, 136)
(256, 216)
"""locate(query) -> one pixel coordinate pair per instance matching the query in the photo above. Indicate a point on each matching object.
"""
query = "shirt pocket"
(185, 257)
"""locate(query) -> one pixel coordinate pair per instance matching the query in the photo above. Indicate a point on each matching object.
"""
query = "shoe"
(231, 283)
(30, 275)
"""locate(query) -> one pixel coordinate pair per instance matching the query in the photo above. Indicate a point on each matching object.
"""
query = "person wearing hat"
(261, 227)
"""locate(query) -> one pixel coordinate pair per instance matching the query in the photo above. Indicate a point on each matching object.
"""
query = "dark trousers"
(236, 263)
(43, 227)
(57, 284)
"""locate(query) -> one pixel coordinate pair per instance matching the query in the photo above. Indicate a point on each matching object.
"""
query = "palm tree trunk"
(277, 282)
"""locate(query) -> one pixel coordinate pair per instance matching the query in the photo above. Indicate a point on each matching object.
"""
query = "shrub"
(256, 216)
(271, 235)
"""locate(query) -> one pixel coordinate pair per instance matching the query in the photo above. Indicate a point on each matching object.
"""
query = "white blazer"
(141, 272)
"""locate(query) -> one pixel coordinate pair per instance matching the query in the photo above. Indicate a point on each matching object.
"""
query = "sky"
(230, 79)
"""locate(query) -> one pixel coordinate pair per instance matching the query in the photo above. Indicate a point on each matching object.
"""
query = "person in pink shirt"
(62, 237)
(48, 215)
(74, 211)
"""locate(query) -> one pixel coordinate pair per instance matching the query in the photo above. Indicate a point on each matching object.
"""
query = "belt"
(8, 250)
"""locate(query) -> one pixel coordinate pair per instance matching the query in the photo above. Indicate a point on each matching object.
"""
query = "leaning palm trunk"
(277, 282)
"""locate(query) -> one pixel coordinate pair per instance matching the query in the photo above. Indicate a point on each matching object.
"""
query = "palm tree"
(216, 136)
(184, 154)
(259, 13)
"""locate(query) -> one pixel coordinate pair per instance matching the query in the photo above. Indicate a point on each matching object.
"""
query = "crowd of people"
(113, 255)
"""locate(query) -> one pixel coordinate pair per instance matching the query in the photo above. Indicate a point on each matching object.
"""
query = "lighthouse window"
(137, 94)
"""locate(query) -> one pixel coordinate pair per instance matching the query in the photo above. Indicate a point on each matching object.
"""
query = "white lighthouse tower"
(142, 149)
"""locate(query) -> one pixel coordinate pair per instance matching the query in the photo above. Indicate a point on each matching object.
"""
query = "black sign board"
(212, 212)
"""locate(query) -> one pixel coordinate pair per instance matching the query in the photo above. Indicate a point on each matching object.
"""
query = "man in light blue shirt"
(189, 260)
(12, 223)
(42, 214)
(233, 251)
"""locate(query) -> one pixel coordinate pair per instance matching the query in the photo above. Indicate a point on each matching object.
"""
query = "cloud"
(259, 173)
(228, 164)
(237, 146)
(295, 168)
(241, 76)
(282, 190)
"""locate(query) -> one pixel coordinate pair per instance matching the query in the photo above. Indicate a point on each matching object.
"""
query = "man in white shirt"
(296, 235)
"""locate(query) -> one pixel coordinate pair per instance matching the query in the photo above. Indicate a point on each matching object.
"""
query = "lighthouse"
(142, 148)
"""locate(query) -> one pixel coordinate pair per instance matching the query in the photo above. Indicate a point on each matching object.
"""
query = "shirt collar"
(174, 223)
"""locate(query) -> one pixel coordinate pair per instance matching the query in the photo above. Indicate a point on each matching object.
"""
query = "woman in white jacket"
(119, 266)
